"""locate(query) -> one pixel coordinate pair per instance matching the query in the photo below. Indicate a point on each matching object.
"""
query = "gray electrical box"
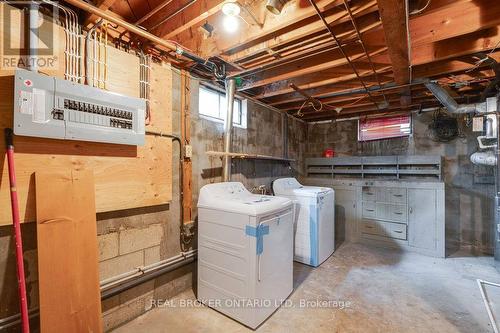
(48, 107)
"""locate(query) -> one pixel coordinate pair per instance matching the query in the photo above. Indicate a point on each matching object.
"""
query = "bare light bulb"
(230, 23)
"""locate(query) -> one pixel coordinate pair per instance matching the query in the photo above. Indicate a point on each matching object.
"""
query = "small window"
(212, 104)
(384, 128)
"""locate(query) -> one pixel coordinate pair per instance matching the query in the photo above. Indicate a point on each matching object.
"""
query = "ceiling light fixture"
(231, 9)
(275, 6)
(231, 12)
(230, 23)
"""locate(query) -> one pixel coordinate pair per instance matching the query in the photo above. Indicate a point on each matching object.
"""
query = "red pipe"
(17, 231)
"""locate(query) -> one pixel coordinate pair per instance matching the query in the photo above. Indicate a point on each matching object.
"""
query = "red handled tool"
(9, 142)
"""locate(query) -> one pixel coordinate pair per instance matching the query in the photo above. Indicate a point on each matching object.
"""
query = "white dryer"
(245, 252)
(314, 219)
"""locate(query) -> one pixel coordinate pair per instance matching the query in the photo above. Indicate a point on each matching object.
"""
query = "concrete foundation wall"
(137, 237)
(469, 208)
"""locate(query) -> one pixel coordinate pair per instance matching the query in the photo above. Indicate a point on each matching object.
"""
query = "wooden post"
(186, 141)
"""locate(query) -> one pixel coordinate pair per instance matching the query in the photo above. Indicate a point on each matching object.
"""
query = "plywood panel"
(67, 252)
(125, 177)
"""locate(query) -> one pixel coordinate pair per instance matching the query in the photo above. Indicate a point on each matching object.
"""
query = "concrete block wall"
(469, 209)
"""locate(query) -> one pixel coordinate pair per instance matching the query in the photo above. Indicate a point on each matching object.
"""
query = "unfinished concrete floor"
(388, 292)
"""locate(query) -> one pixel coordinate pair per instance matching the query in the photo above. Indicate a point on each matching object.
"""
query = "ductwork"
(453, 107)
(484, 158)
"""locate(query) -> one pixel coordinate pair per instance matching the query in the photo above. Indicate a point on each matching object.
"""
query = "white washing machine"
(245, 252)
(314, 219)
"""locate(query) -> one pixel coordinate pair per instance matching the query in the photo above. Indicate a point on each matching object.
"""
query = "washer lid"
(234, 197)
(291, 187)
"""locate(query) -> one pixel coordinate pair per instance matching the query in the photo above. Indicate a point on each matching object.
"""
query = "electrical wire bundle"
(444, 127)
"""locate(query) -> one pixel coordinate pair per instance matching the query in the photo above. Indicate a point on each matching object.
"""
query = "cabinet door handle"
(411, 210)
(398, 213)
(370, 210)
(398, 195)
(398, 232)
(368, 227)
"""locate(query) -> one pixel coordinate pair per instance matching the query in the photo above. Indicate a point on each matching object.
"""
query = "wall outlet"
(188, 151)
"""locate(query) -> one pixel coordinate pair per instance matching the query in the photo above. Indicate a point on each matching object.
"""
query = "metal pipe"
(34, 17)
(449, 102)
(21, 281)
(127, 276)
(142, 33)
(341, 48)
(154, 271)
(484, 158)
(228, 127)
(146, 277)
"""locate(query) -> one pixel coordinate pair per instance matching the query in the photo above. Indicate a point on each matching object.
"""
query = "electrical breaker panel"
(48, 107)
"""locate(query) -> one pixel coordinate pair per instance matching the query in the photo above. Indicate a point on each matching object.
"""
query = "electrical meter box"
(49, 107)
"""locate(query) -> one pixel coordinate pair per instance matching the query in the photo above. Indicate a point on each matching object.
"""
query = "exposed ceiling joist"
(393, 15)
(195, 14)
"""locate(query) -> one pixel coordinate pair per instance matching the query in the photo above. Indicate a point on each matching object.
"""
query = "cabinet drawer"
(397, 195)
(396, 213)
(369, 193)
(391, 195)
(384, 229)
(397, 230)
(369, 227)
(391, 212)
(369, 210)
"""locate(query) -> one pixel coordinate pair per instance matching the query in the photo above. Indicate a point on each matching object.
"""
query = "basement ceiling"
(291, 61)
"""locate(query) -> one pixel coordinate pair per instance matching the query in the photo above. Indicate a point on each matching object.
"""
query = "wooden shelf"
(249, 156)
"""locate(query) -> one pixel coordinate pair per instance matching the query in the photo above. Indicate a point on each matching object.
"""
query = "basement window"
(212, 106)
(384, 128)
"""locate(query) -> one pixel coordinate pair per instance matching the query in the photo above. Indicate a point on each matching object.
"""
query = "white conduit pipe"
(33, 36)
(487, 303)
(116, 280)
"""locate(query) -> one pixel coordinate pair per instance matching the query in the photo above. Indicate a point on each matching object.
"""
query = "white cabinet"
(399, 214)
(426, 228)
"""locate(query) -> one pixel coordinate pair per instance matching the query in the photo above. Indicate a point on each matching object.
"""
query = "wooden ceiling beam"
(345, 33)
(341, 75)
(431, 60)
(294, 16)
(436, 70)
(193, 15)
(367, 10)
(416, 90)
(393, 15)
(479, 41)
(316, 64)
(455, 19)
(359, 98)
